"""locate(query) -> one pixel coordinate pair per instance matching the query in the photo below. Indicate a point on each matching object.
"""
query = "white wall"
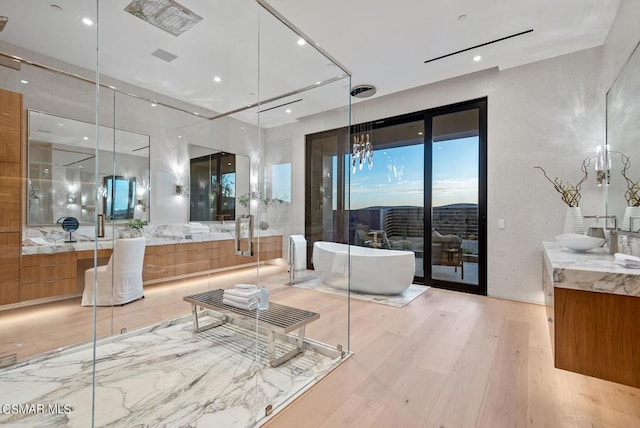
(549, 113)
(621, 40)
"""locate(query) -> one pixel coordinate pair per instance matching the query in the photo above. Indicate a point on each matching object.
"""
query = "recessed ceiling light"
(217, 79)
(60, 124)
(228, 163)
(196, 113)
(112, 87)
(86, 138)
(87, 21)
(318, 82)
(154, 105)
(24, 81)
(477, 58)
(301, 42)
(179, 136)
(80, 166)
(462, 17)
(288, 111)
(420, 133)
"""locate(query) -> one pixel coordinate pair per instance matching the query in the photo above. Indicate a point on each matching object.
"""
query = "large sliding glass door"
(425, 192)
(455, 157)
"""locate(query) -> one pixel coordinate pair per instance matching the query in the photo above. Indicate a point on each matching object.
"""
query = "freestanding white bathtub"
(373, 270)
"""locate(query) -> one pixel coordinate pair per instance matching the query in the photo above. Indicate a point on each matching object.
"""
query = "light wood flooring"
(445, 360)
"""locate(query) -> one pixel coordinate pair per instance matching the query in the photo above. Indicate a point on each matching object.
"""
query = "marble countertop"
(107, 243)
(594, 270)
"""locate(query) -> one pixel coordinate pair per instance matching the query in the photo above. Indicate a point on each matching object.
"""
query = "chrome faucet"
(598, 231)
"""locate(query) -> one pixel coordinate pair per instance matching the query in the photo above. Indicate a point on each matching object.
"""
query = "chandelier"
(362, 151)
(362, 148)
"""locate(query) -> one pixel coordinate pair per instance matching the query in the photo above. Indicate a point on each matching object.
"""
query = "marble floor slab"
(165, 375)
(398, 301)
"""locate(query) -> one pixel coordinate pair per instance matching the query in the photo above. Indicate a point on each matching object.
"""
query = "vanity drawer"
(47, 288)
(48, 259)
(51, 271)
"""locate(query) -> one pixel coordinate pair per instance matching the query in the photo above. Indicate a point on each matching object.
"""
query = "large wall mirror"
(219, 184)
(61, 171)
(623, 137)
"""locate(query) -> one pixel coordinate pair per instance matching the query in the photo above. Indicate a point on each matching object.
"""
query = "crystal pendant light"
(362, 148)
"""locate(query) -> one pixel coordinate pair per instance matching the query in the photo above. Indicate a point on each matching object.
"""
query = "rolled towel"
(340, 260)
(240, 293)
(240, 305)
(246, 287)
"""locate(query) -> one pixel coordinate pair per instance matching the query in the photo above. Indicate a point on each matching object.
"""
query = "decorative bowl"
(576, 242)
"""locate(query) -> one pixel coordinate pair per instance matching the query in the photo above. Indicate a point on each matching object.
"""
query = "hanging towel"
(235, 304)
(298, 250)
(627, 260)
(340, 260)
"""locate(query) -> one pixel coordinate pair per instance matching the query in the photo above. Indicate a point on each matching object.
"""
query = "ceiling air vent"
(167, 15)
(363, 91)
(164, 55)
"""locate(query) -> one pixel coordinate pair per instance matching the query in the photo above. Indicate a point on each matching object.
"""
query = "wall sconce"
(179, 189)
(603, 165)
(142, 205)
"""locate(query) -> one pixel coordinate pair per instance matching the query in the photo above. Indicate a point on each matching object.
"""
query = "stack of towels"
(243, 296)
(195, 228)
(627, 260)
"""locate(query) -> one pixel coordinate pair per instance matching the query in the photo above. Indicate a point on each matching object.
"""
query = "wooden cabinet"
(47, 275)
(10, 247)
(598, 334)
(10, 206)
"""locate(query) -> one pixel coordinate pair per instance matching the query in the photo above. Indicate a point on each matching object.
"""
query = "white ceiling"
(381, 43)
(386, 43)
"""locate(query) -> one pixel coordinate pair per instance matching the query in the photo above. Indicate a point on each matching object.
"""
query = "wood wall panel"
(598, 334)
(10, 126)
(10, 205)
(9, 267)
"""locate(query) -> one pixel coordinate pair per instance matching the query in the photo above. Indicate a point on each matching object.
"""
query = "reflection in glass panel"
(213, 179)
(387, 201)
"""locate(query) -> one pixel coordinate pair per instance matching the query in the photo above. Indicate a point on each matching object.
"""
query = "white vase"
(573, 222)
(630, 212)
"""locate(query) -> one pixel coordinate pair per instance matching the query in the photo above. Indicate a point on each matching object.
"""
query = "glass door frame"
(481, 105)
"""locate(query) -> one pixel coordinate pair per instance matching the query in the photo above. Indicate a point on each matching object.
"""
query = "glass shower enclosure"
(181, 124)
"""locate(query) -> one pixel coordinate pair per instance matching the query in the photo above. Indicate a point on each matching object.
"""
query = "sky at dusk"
(397, 175)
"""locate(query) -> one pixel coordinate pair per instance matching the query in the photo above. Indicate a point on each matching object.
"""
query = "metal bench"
(278, 318)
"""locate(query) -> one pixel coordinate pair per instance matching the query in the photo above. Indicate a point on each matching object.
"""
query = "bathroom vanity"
(593, 309)
(58, 271)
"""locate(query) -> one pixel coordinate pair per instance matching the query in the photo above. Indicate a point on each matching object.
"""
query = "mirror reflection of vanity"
(623, 138)
(62, 177)
(219, 185)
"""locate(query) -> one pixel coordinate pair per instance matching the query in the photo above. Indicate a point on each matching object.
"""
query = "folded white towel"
(240, 293)
(340, 260)
(243, 300)
(246, 287)
(627, 260)
(240, 305)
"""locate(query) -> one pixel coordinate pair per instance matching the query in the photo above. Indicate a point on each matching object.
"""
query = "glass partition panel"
(137, 299)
